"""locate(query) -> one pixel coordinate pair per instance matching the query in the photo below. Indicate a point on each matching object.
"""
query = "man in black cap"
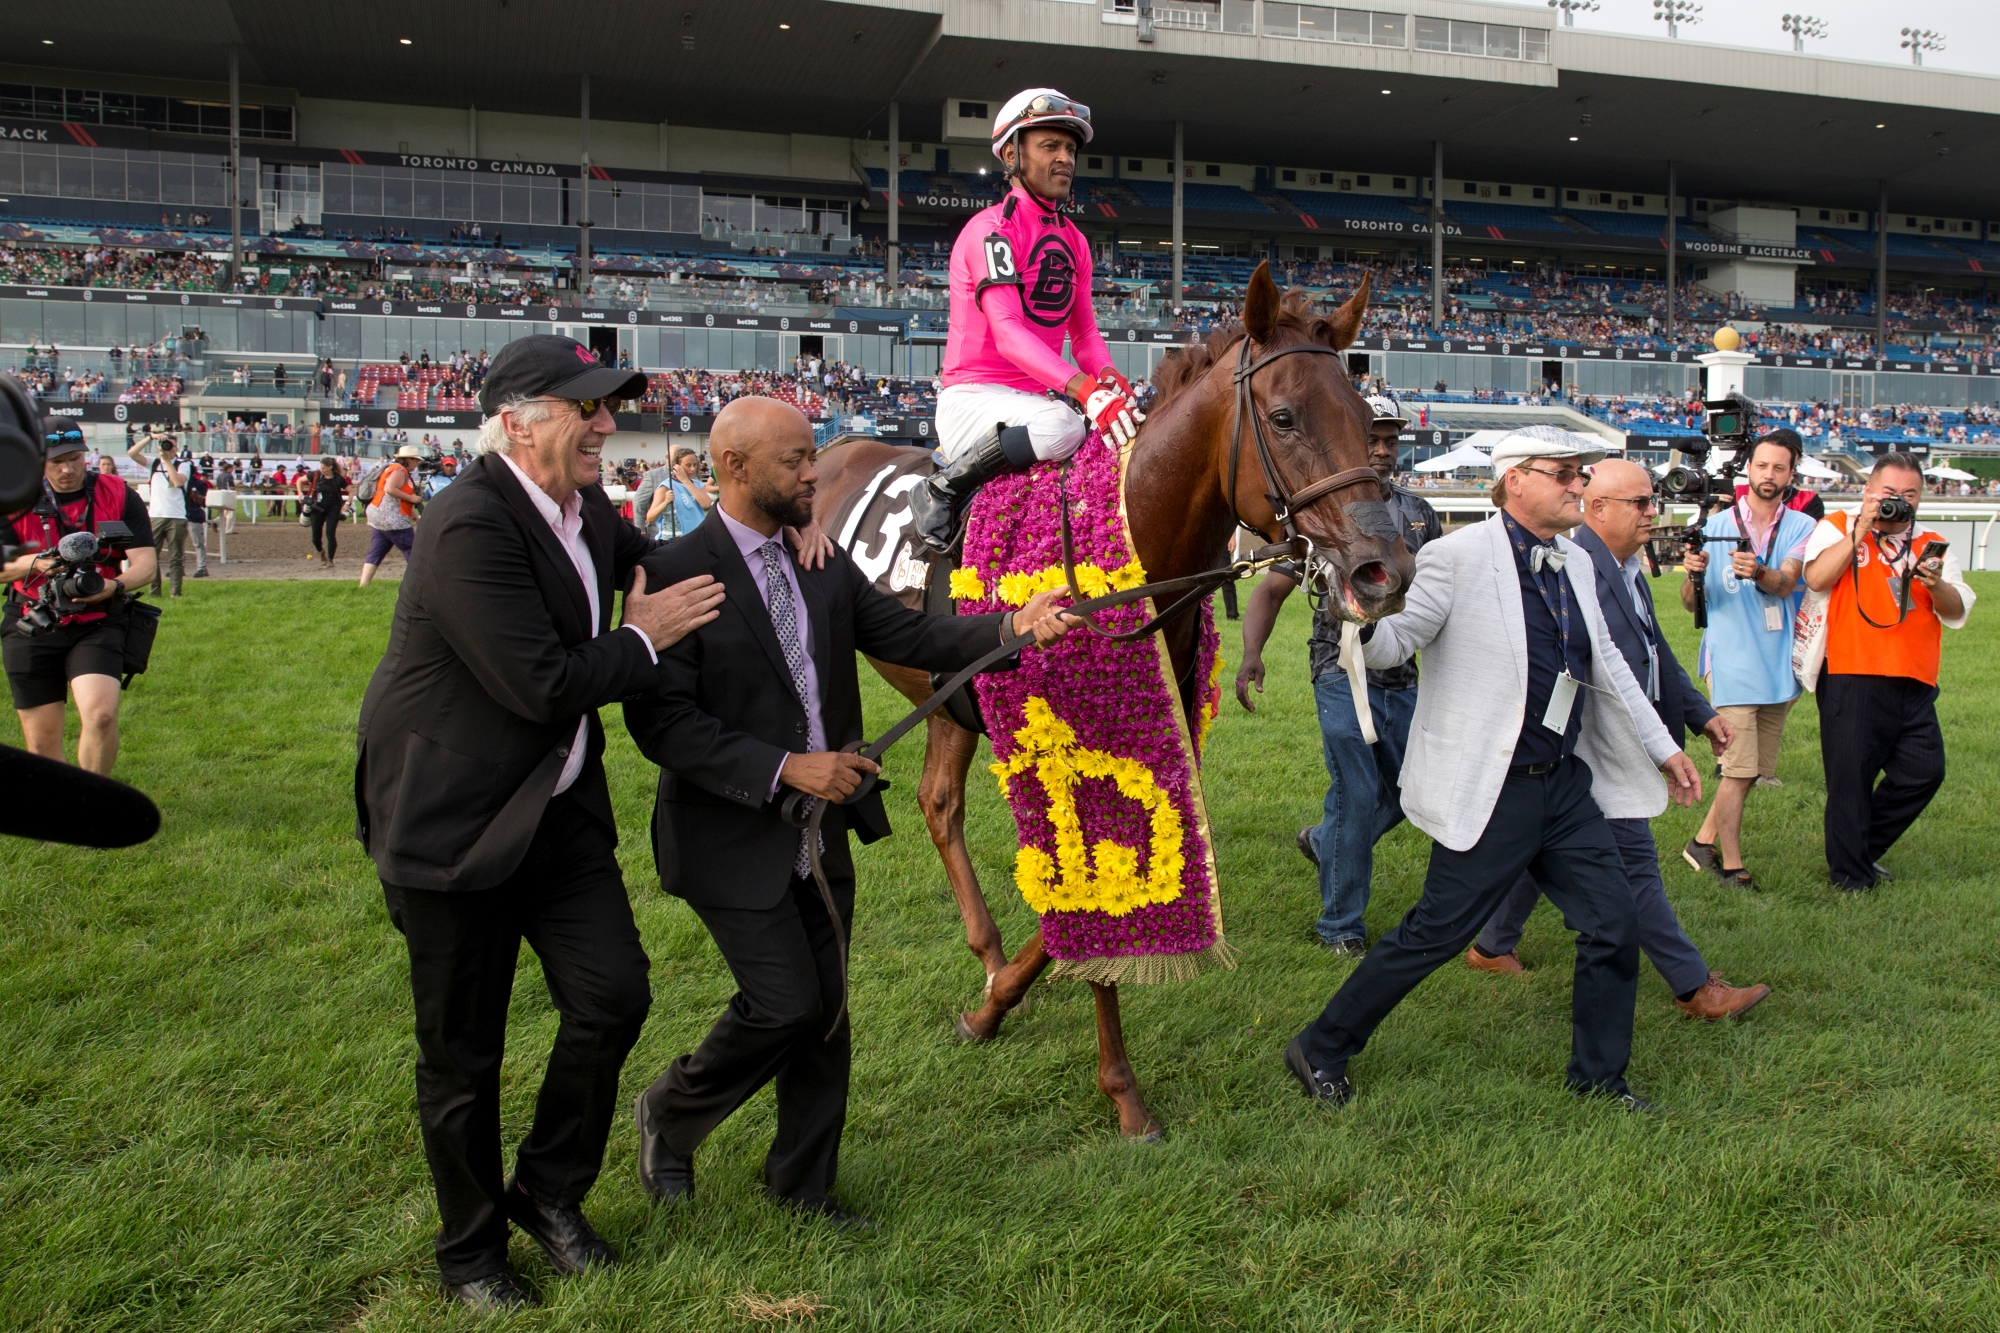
(480, 793)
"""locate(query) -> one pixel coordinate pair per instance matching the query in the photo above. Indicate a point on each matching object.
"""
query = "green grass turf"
(207, 1112)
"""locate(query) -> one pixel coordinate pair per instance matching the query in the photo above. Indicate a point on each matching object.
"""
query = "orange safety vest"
(382, 488)
(1856, 648)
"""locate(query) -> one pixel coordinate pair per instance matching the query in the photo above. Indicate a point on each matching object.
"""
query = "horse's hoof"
(968, 1034)
(1152, 1133)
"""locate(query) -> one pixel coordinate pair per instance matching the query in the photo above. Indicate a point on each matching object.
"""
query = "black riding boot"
(938, 506)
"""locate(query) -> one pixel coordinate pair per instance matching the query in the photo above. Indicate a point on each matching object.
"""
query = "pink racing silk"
(1020, 284)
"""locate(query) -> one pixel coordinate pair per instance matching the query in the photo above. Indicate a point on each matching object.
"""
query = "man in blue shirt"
(1361, 802)
(1746, 653)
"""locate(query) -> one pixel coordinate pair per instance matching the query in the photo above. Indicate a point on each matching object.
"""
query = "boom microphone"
(50, 800)
(78, 547)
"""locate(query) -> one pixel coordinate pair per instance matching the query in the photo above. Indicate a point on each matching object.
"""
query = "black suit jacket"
(722, 714)
(1682, 707)
(470, 715)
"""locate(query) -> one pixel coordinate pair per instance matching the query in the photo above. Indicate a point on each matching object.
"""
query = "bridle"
(1285, 501)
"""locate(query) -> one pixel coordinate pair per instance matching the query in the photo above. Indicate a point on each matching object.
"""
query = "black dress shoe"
(831, 1213)
(1304, 842)
(1333, 1093)
(666, 1178)
(1881, 872)
(493, 1293)
(1850, 885)
(1627, 1100)
(564, 1234)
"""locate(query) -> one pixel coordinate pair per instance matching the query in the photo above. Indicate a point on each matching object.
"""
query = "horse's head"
(1315, 436)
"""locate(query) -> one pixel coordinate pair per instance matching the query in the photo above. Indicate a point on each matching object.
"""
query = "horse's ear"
(1347, 319)
(1260, 305)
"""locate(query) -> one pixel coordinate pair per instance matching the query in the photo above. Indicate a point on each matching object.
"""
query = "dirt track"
(280, 549)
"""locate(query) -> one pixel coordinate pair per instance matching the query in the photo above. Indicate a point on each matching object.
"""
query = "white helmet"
(1039, 106)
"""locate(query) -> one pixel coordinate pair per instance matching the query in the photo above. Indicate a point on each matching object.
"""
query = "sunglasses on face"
(1642, 503)
(587, 407)
(1564, 476)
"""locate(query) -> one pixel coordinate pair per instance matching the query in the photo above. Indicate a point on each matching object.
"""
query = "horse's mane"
(1186, 364)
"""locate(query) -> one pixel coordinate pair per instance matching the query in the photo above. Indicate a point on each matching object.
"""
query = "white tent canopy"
(1463, 456)
(1943, 473)
(1812, 467)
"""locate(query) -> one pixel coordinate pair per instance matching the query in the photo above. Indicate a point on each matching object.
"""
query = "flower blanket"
(1092, 748)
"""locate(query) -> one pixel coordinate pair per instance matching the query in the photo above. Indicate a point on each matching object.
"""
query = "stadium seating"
(1197, 196)
(1607, 223)
(1514, 217)
(1337, 204)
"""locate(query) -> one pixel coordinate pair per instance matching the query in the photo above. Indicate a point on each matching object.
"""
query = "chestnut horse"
(1178, 497)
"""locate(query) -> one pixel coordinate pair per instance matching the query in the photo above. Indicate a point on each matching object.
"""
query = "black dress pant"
(787, 968)
(1547, 824)
(1869, 727)
(568, 902)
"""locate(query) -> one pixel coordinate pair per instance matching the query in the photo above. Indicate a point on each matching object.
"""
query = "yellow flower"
(966, 585)
(1104, 877)
(1016, 588)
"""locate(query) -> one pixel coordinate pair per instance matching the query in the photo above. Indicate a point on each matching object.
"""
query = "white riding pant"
(967, 414)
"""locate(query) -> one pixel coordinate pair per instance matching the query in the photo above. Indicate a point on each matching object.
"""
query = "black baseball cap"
(61, 437)
(545, 365)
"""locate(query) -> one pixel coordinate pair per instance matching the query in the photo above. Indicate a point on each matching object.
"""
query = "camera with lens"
(74, 578)
(1894, 509)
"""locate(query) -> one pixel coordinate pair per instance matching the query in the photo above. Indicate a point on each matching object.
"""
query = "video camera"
(1729, 427)
(74, 578)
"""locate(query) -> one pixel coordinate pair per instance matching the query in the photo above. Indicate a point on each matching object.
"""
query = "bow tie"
(1546, 557)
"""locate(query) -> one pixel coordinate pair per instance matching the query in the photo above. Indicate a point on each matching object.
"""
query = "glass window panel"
(107, 173)
(142, 178)
(1239, 16)
(396, 191)
(149, 112)
(1503, 41)
(1351, 25)
(208, 186)
(17, 99)
(38, 171)
(368, 191)
(1320, 25)
(21, 321)
(176, 178)
(514, 206)
(62, 322)
(277, 122)
(546, 203)
(659, 208)
(486, 197)
(631, 204)
(1388, 29)
(76, 166)
(1468, 39)
(104, 325)
(336, 188)
(427, 198)
(1280, 20)
(1535, 45)
(686, 216)
(214, 117)
(10, 168)
(458, 197)
(1433, 34)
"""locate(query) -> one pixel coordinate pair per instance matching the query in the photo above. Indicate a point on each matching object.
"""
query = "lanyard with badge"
(1774, 607)
(1562, 697)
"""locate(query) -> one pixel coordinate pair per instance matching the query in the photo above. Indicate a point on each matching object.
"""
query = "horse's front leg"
(1114, 1071)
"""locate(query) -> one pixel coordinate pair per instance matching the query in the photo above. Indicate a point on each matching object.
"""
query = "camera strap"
(1888, 562)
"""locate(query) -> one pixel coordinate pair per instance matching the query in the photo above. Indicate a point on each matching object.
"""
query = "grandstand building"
(741, 188)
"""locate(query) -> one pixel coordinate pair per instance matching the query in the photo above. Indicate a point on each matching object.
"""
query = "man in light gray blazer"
(1530, 730)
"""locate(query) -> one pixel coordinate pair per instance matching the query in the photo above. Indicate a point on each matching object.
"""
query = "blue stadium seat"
(1197, 195)
(1334, 204)
(1478, 213)
(1620, 224)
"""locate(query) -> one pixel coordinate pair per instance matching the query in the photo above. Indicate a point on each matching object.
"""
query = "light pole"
(1571, 8)
(1802, 26)
(1919, 40)
(1673, 13)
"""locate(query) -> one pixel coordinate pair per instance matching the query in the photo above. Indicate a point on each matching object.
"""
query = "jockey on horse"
(1020, 284)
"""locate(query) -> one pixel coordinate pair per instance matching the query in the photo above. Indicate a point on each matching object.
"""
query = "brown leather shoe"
(1505, 963)
(1717, 1000)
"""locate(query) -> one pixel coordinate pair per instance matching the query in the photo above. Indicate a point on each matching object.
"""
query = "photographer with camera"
(1752, 596)
(65, 624)
(1891, 588)
(326, 505)
(166, 501)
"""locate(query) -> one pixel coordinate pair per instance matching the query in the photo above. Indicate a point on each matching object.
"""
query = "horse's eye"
(1282, 419)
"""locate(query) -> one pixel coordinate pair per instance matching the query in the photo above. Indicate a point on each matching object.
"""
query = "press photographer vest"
(1856, 648)
(106, 504)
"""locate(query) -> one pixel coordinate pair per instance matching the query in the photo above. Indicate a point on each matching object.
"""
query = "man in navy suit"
(1618, 510)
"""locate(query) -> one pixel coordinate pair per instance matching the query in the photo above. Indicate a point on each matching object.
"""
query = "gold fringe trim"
(1145, 969)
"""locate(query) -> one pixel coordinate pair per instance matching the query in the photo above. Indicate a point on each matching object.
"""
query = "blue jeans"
(1362, 799)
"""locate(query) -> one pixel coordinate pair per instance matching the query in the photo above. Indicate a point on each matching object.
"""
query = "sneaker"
(1882, 875)
(1769, 782)
(1702, 856)
(1304, 842)
(1739, 878)
(1349, 948)
(200, 574)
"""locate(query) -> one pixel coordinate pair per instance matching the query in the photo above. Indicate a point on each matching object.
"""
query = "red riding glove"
(1114, 409)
